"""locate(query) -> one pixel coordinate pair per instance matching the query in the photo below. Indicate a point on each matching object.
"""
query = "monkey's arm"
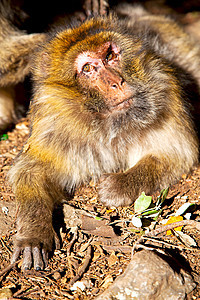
(15, 57)
(36, 196)
(172, 152)
(122, 189)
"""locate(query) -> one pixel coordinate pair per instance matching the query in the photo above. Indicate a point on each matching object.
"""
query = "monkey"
(15, 63)
(110, 103)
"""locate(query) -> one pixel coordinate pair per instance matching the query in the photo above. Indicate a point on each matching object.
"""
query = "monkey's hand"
(112, 190)
(95, 7)
(35, 240)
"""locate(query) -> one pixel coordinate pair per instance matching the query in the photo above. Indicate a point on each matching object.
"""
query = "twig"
(83, 267)
(69, 246)
(154, 240)
(121, 248)
(8, 194)
(21, 291)
(161, 229)
(22, 295)
(69, 251)
(9, 267)
(5, 246)
(164, 228)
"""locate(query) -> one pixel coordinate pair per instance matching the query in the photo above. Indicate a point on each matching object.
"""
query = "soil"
(92, 258)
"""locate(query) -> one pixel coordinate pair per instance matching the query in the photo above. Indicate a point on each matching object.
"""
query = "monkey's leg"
(35, 234)
(148, 175)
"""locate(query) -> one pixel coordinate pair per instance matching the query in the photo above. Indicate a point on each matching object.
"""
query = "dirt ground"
(93, 257)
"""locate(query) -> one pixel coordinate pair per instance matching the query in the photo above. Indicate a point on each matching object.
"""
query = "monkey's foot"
(112, 190)
(33, 255)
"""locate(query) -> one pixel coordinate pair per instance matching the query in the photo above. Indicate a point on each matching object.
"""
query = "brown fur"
(74, 136)
(16, 49)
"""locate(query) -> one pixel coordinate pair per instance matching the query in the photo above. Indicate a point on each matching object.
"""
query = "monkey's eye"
(110, 56)
(87, 68)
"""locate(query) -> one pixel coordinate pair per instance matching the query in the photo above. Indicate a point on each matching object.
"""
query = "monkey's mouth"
(125, 104)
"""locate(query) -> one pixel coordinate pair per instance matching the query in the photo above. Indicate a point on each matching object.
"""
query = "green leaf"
(163, 195)
(98, 218)
(149, 212)
(3, 137)
(142, 203)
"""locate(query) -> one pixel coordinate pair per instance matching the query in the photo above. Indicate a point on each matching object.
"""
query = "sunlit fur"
(75, 137)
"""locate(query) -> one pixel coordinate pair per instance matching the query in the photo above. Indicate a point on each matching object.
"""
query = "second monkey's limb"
(95, 7)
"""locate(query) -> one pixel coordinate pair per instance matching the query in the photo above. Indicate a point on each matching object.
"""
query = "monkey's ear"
(42, 65)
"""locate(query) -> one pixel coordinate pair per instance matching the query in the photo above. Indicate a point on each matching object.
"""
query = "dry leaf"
(173, 219)
(110, 210)
(84, 247)
(112, 259)
(96, 256)
(186, 239)
(97, 227)
(107, 281)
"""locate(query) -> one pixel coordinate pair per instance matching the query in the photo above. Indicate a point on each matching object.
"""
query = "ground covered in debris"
(97, 250)
(93, 254)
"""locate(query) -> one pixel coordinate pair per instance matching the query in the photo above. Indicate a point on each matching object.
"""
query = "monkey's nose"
(118, 83)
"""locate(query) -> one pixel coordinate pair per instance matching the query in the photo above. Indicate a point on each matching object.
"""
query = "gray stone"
(149, 276)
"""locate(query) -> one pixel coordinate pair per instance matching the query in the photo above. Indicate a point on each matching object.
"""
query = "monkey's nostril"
(122, 81)
(114, 86)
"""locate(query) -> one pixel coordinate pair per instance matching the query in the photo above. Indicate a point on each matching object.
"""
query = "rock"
(72, 216)
(150, 276)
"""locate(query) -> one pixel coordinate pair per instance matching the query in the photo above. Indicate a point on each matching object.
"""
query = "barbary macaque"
(16, 49)
(110, 104)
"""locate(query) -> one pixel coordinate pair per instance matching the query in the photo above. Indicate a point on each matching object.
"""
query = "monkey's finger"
(95, 7)
(103, 7)
(15, 255)
(37, 259)
(27, 258)
(88, 7)
(56, 240)
(45, 258)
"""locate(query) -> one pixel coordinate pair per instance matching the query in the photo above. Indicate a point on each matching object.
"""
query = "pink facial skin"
(100, 70)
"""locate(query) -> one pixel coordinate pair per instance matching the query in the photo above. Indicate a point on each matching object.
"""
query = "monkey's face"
(101, 71)
(120, 84)
(106, 74)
